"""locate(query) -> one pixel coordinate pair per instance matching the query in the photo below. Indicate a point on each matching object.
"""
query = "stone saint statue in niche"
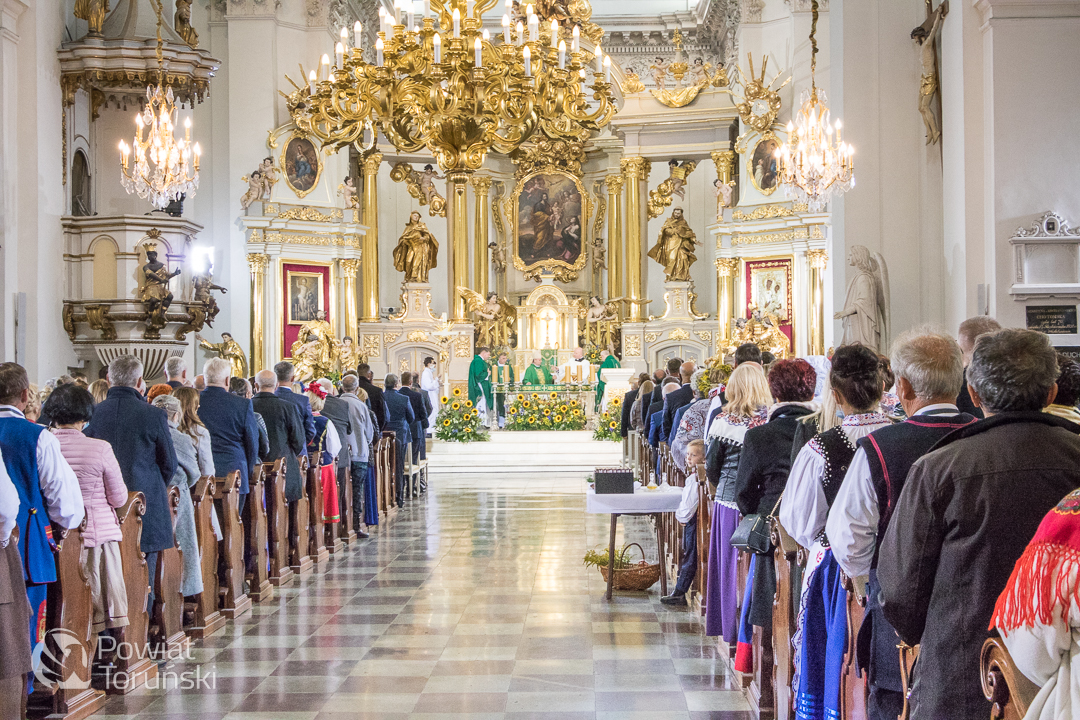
(866, 308)
(417, 251)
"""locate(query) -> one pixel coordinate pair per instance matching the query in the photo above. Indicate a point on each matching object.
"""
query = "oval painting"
(300, 164)
(764, 167)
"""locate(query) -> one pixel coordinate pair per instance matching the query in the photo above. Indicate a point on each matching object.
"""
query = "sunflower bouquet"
(544, 411)
(607, 424)
(458, 419)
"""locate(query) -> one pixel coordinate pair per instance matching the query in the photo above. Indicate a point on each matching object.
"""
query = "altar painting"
(301, 164)
(768, 290)
(549, 221)
(305, 292)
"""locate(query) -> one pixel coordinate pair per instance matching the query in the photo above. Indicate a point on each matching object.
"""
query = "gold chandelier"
(814, 165)
(165, 168)
(454, 90)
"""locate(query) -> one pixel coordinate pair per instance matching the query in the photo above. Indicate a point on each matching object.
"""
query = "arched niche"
(103, 249)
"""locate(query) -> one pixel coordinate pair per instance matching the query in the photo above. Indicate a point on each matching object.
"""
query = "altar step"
(526, 452)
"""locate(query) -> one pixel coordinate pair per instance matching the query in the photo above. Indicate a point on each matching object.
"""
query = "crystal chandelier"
(814, 165)
(165, 168)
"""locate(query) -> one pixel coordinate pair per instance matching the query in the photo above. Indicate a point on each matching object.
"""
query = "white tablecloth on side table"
(661, 500)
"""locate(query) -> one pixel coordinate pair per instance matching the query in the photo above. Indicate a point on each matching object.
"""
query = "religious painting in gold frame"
(301, 164)
(769, 290)
(763, 166)
(549, 209)
(305, 295)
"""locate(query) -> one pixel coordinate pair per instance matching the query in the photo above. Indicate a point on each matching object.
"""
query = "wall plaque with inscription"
(1052, 319)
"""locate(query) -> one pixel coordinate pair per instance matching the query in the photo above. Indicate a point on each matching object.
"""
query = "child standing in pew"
(103, 490)
(687, 515)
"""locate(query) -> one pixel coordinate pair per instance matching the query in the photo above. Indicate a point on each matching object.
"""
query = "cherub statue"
(255, 189)
(599, 254)
(677, 176)
(632, 83)
(928, 86)
(723, 192)
(204, 287)
(498, 256)
(349, 354)
(182, 23)
(659, 71)
(699, 72)
(497, 317)
(347, 190)
(269, 175)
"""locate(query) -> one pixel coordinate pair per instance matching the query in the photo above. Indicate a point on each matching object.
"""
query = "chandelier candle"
(478, 50)
(562, 55)
(554, 33)
(324, 64)
(534, 26)
(520, 33)
(358, 35)
(527, 56)
(339, 54)
(576, 44)
(506, 29)
(437, 42)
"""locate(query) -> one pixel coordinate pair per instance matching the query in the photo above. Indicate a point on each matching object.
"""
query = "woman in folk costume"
(1038, 614)
(324, 449)
(692, 424)
(816, 476)
(748, 401)
(185, 477)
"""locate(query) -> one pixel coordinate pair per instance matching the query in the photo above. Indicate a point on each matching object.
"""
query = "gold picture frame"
(763, 153)
(550, 254)
(297, 155)
(299, 286)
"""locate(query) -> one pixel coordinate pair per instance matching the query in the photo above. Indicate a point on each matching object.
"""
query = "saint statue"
(182, 23)
(93, 12)
(349, 355)
(601, 321)
(427, 185)
(155, 293)
(347, 190)
(866, 308)
(417, 251)
(496, 318)
(314, 352)
(928, 86)
(227, 349)
(675, 247)
(204, 287)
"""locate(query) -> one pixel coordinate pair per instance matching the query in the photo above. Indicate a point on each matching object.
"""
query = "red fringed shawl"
(1044, 582)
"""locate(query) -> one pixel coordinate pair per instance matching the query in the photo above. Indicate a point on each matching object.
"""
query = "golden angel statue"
(315, 352)
(227, 349)
(182, 23)
(674, 249)
(496, 318)
(417, 251)
(762, 329)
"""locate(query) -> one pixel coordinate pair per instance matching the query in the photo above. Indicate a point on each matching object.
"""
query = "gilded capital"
(349, 266)
(725, 161)
(372, 162)
(726, 267)
(614, 184)
(481, 183)
(258, 262)
(635, 168)
(818, 259)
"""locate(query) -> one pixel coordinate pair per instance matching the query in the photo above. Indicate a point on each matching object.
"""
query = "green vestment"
(536, 376)
(609, 362)
(480, 381)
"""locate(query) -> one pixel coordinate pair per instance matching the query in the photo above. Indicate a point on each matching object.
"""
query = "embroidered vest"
(838, 452)
(18, 443)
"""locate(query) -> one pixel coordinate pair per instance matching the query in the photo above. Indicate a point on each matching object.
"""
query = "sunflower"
(546, 412)
(521, 396)
(576, 413)
(573, 403)
(457, 392)
(616, 401)
(468, 429)
(445, 400)
(525, 403)
(532, 420)
(455, 406)
(554, 395)
(535, 396)
(466, 417)
(468, 403)
(607, 415)
(562, 408)
(446, 423)
(558, 418)
(612, 425)
(512, 411)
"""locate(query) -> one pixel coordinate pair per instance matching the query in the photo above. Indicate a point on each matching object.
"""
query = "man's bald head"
(266, 381)
(686, 370)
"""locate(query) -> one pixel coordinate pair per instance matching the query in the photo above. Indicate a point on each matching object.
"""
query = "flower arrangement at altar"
(544, 411)
(608, 424)
(592, 354)
(458, 420)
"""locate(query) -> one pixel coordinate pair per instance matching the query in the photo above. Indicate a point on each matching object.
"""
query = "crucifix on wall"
(929, 86)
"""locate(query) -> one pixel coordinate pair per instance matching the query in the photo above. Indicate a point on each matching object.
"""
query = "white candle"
(382, 19)
(562, 55)
(311, 82)
(427, 8)
(478, 51)
(599, 59)
(325, 63)
(457, 23)
(411, 11)
(554, 33)
(607, 68)
(339, 54)
(469, 4)
(520, 33)
(437, 40)
(486, 35)
(344, 35)
(527, 56)
(379, 52)
(534, 27)
(506, 29)
(576, 47)
(358, 35)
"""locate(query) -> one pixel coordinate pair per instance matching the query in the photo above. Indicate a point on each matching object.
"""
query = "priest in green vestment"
(502, 373)
(607, 361)
(480, 383)
(536, 374)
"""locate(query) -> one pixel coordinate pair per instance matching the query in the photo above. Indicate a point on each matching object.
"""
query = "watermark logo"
(61, 661)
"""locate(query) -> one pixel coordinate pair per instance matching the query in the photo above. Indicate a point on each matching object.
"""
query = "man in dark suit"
(970, 330)
(399, 418)
(284, 429)
(234, 433)
(374, 394)
(337, 411)
(627, 403)
(176, 372)
(657, 406)
(141, 440)
(285, 374)
(677, 398)
(418, 429)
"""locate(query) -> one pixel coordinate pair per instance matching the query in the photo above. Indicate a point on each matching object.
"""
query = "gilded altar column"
(257, 264)
(725, 165)
(481, 187)
(459, 243)
(615, 235)
(635, 171)
(818, 260)
(369, 253)
(349, 268)
(725, 295)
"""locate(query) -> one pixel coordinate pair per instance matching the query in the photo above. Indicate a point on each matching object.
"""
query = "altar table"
(665, 499)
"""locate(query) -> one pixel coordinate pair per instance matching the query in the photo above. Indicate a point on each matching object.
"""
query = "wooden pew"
(385, 470)
(167, 636)
(68, 637)
(300, 559)
(704, 532)
(855, 692)
(257, 561)
(1003, 685)
(346, 529)
(232, 599)
(786, 553)
(133, 669)
(317, 549)
(335, 540)
(277, 522)
(202, 612)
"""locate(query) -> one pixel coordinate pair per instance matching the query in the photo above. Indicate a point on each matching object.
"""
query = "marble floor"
(472, 603)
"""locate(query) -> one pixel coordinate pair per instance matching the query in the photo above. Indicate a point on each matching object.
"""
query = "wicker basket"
(639, 577)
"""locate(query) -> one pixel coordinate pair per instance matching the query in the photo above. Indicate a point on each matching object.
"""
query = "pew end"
(300, 559)
(277, 522)
(167, 624)
(232, 599)
(1003, 684)
(256, 548)
(202, 610)
(316, 537)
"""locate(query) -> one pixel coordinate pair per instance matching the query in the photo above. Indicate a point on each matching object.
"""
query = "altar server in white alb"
(575, 370)
(429, 383)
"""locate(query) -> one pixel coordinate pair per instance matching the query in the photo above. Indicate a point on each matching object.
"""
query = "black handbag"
(753, 534)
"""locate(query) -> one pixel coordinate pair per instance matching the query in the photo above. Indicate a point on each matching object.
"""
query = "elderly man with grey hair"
(176, 372)
(966, 512)
(230, 420)
(969, 332)
(929, 371)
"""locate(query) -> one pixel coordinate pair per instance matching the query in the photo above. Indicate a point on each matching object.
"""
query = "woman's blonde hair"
(189, 411)
(646, 388)
(361, 393)
(99, 389)
(317, 403)
(747, 390)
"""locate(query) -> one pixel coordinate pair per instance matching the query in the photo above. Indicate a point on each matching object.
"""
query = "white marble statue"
(866, 308)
